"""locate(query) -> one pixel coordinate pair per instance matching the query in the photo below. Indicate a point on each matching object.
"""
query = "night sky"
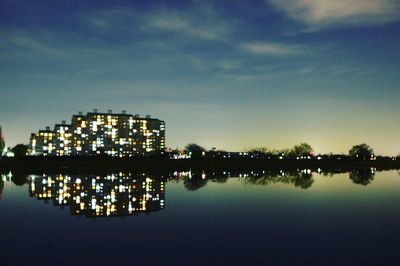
(225, 74)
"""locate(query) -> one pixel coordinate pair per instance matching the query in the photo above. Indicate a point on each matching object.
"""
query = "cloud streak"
(200, 24)
(107, 20)
(23, 41)
(321, 14)
(199, 21)
(271, 49)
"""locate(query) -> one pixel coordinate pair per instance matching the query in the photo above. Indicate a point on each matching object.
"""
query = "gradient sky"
(225, 74)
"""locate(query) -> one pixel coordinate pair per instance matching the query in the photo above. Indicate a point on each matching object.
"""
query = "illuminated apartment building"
(101, 196)
(43, 142)
(63, 139)
(105, 134)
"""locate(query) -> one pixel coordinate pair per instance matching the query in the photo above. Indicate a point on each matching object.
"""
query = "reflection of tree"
(263, 180)
(286, 179)
(1, 187)
(19, 179)
(302, 180)
(327, 174)
(194, 183)
(362, 177)
(220, 179)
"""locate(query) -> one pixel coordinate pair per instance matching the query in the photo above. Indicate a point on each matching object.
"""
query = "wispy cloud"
(353, 70)
(111, 19)
(228, 64)
(23, 41)
(200, 21)
(271, 49)
(214, 65)
(250, 77)
(322, 14)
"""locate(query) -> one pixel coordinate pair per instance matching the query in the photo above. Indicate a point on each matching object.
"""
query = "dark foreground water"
(185, 218)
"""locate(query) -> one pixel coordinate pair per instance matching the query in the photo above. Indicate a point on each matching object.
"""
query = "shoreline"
(102, 164)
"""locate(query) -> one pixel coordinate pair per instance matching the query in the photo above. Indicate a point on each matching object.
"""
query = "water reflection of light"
(96, 196)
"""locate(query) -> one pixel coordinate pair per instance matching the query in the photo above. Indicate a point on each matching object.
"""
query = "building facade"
(95, 133)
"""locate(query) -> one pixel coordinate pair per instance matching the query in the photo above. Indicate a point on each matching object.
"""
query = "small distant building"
(121, 135)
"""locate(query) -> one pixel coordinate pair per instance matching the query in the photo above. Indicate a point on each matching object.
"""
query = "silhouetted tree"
(303, 149)
(264, 152)
(2, 142)
(362, 177)
(361, 151)
(20, 150)
(195, 149)
(261, 150)
(284, 152)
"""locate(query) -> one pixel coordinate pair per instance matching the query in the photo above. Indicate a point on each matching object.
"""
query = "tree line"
(300, 151)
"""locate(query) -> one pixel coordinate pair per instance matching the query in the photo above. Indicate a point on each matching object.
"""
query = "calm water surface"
(187, 218)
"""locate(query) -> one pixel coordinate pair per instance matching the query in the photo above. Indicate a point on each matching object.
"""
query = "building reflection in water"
(1, 186)
(101, 196)
(125, 194)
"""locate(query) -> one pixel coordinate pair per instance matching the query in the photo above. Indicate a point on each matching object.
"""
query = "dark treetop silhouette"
(361, 151)
(20, 150)
(2, 142)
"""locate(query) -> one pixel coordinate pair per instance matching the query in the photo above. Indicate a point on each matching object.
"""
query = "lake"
(195, 218)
